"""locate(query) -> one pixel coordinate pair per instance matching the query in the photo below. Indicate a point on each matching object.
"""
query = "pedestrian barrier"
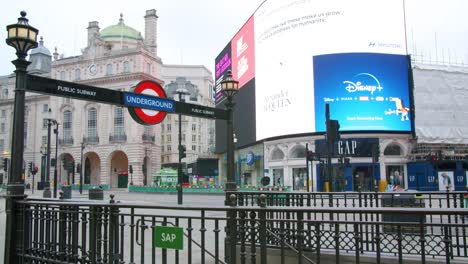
(66, 231)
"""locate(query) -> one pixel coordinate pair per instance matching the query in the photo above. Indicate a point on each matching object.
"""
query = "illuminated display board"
(275, 54)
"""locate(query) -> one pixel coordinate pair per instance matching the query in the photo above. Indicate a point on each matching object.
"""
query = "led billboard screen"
(365, 91)
(275, 54)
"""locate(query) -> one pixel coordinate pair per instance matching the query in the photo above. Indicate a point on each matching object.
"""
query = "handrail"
(386, 210)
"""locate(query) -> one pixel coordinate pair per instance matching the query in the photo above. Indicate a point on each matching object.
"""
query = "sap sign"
(365, 91)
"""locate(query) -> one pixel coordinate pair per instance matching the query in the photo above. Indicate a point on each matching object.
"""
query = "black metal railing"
(148, 138)
(117, 138)
(91, 140)
(66, 141)
(430, 200)
(58, 231)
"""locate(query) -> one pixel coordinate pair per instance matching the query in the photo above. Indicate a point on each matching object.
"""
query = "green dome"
(120, 31)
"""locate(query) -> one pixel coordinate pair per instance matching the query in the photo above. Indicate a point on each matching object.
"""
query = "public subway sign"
(349, 147)
(147, 102)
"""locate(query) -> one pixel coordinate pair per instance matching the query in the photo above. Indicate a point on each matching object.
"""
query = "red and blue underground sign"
(148, 104)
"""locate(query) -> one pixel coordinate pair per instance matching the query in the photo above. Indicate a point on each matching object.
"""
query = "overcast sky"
(194, 32)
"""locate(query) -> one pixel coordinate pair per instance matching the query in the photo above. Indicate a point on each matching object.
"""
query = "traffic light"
(375, 152)
(30, 168)
(5, 164)
(182, 151)
(333, 133)
(431, 158)
(130, 169)
(35, 169)
(310, 155)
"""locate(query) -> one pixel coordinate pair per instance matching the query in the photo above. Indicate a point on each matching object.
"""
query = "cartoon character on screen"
(400, 109)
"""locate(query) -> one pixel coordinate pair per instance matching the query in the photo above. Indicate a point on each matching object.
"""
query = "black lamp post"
(81, 168)
(181, 93)
(50, 122)
(230, 87)
(22, 37)
(56, 160)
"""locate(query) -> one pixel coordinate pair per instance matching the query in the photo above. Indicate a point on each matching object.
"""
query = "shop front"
(250, 168)
(355, 165)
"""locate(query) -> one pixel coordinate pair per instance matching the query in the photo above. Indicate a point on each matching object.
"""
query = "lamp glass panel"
(12, 32)
(32, 35)
(22, 32)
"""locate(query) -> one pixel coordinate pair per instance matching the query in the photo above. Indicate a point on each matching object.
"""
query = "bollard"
(95, 193)
(46, 193)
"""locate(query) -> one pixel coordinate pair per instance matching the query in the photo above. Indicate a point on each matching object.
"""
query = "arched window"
(126, 66)
(297, 152)
(277, 154)
(62, 75)
(67, 126)
(109, 69)
(77, 74)
(92, 123)
(119, 129)
(392, 150)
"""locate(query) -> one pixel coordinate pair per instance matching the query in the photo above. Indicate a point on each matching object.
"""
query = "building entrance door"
(122, 181)
(362, 179)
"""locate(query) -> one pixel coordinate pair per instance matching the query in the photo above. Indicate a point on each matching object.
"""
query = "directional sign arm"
(200, 111)
(128, 99)
(75, 90)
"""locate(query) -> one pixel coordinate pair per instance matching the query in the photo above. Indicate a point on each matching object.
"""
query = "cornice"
(122, 78)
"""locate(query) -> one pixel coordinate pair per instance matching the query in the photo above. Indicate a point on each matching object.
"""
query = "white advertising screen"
(297, 56)
(288, 34)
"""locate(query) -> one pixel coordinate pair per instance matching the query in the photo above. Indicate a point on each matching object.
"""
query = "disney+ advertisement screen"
(365, 91)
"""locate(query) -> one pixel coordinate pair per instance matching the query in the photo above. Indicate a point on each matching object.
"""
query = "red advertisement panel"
(243, 53)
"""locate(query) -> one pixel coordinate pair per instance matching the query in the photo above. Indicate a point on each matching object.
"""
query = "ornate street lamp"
(22, 37)
(230, 87)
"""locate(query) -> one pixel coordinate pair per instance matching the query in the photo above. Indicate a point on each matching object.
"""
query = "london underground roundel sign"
(147, 116)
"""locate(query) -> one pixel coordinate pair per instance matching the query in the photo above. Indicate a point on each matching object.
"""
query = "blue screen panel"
(365, 91)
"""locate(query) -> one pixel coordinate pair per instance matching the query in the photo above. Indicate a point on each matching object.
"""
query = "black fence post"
(262, 229)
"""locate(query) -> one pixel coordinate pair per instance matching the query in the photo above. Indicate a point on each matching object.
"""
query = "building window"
(199, 138)
(162, 148)
(92, 123)
(194, 138)
(44, 140)
(62, 75)
(183, 137)
(25, 134)
(44, 123)
(119, 121)
(168, 147)
(2, 128)
(392, 150)
(168, 127)
(126, 66)
(148, 68)
(67, 125)
(194, 127)
(109, 69)
(194, 148)
(45, 108)
(3, 113)
(5, 93)
(162, 138)
(77, 74)
(2, 145)
(168, 138)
